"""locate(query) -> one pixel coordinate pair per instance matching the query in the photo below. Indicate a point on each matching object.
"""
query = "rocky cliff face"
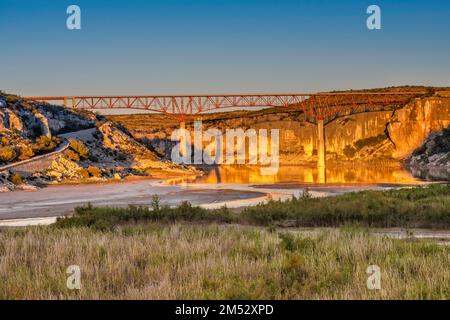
(30, 128)
(32, 119)
(432, 159)
(410, 126)
(382, 135)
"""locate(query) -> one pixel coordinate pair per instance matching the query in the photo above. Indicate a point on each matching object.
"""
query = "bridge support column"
(65, 102)
(73, 102)
(321, 157)
(183, 147)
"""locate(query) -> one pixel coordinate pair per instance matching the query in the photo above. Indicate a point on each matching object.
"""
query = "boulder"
(62, 167)
(115, 139)
(43, 121)
(14, 122)
(2, 121)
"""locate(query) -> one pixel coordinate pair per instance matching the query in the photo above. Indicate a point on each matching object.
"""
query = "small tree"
(94, 171)
(155, 204)
(25, 152)
(17, 179)
(72, 155)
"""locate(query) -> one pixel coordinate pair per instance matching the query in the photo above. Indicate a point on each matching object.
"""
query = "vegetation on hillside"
(15, 147)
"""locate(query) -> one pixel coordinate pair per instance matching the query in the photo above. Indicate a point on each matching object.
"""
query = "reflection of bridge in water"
(318, 108)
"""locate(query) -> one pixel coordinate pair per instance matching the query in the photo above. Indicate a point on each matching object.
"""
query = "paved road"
(42, 162)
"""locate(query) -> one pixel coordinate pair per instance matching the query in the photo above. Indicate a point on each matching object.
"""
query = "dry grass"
(172, 261)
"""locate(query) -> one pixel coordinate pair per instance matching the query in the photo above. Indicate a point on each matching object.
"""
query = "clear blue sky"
(174, 46)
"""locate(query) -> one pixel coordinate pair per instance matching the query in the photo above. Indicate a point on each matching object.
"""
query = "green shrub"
(44, 144)
(418, 207)
(121, 157)
(7, 154)
(80, 148)
(4, 141)
(84, 173)
(26, 152)
(94, 172)
(93, 158)
(17, 179)
(72, 155)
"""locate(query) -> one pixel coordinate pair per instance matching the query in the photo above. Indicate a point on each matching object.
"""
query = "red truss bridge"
(317, 106)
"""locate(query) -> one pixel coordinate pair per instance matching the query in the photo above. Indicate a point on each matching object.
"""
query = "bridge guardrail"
(63, 147)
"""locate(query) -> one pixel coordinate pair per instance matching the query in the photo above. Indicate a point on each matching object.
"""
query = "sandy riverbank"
(60, 200)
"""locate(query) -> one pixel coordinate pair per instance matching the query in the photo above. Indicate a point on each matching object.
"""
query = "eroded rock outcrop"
(13, 122)
(432, 158)
(63, 168)
(43, 123)
(115, 139)
(411, 125)
(138, 155)
(2, 121)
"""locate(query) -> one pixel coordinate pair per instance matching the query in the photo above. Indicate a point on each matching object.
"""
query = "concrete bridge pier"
(183, 147)
(66, 102)
(321, 157)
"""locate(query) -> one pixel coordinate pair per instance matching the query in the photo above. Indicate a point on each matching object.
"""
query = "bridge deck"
(315, 105)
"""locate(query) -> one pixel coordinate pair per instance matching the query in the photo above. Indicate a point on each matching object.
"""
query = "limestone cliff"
(410, 126)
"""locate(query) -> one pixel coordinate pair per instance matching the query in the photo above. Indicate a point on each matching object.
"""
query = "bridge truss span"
(316, 105)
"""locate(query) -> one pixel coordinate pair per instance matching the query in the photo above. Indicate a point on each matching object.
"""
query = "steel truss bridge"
(315, 105)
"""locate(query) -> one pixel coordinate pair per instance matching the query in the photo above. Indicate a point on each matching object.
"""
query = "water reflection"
(335, 174)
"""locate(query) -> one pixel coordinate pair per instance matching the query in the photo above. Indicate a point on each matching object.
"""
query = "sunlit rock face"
(410, 126)
(13, 121)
